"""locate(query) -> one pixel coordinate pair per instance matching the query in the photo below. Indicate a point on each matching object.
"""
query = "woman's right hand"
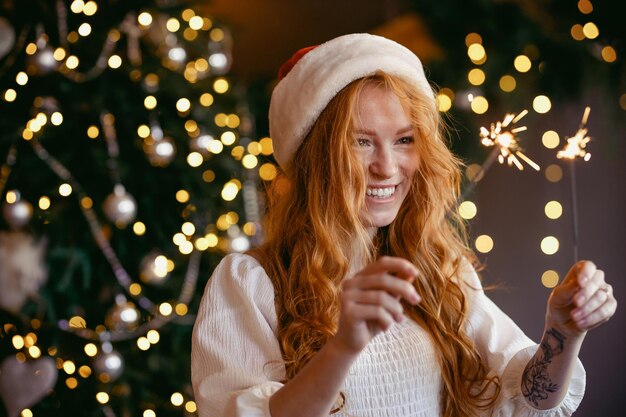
(371, 301)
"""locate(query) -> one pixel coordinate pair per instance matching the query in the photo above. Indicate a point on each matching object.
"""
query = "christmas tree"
(128, 169)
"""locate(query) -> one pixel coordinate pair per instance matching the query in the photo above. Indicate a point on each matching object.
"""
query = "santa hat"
(314, 75)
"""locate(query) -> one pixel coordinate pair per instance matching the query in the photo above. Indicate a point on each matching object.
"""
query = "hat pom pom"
(289, 64)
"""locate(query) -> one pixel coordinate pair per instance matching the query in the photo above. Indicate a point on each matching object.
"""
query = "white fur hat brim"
(301, 96)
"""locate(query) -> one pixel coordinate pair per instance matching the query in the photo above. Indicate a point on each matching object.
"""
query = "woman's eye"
(406, 140)
(362, 142)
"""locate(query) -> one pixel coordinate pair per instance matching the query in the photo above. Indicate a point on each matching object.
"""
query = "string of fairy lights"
(120, 208)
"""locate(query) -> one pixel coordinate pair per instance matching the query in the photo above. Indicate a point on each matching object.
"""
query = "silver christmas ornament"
(160, 152)
(7, 37)
(200, 144)
(220, 54)
(17, 214)
(42, 61)
(153, 268)
(120, 207)
(109, 362)
(123, 316)
(48, 105)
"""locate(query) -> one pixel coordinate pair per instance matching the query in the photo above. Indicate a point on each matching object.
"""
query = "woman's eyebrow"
(408, 129)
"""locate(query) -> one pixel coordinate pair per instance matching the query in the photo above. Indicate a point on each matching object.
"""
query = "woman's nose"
(384, 163)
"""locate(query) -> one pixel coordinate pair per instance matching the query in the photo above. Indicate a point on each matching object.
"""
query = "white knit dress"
(236, 359)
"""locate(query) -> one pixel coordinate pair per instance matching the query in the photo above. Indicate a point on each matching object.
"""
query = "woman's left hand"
(582, 301)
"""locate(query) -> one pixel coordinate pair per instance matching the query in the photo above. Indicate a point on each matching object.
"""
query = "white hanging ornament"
(109, 362)
(17, 214)
(153, 268)
(201, 143)
(120, 207)
(160, 152)
(48, 105)
(124, 316)
(220, 53)
(238, 241)
(22, 269)
(7, 37)
(42, 61)
(24, 384)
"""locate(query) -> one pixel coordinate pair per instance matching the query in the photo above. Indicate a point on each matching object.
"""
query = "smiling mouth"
(380, 192)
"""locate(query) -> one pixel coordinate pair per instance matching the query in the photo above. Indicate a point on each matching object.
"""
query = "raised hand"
(582, 301)
(371, 300)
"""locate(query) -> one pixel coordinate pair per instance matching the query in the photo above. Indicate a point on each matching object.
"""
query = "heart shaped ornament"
(23, 384)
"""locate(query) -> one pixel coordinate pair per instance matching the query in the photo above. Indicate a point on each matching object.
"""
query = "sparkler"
(576, 144)
(503, 137)
(505, 140)
(575, 148)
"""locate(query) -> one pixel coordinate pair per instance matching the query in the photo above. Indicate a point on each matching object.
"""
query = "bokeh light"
(550, 278)
(549, 245)
(484, 243)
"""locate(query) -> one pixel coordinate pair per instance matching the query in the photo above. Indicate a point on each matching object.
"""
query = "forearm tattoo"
(536, 383)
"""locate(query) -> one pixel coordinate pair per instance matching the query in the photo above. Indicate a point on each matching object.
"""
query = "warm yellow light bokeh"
(479, 105)
(10, 95)
(230, 190)
(554, 173)
(468, 210)
(553, 209)
(522, 63)
(609, 54)
(268, 147)
(221, 85)
(206, 99)
(139, 228)
(144, 19)
(268, 171)
(507, 83)
(550, 278)
(585, 6)
(183, 105)
(590, 30)
(476, 52)
(484, 243)
(102, 397)
(228, 138)
(577, 32)
(550, 139)
(542, 104)
(150, 102)
(44, 202)
(476, 76)
(91, 349)
(549, 245)
(443, 102)
(177, 399)
(473, 37)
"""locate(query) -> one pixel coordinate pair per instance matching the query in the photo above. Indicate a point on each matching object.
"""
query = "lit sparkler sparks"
(576, 144)
(575, 147)
(506, 140)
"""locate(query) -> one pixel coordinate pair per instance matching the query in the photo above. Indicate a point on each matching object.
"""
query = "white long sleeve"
(237, 364)
(235, 355)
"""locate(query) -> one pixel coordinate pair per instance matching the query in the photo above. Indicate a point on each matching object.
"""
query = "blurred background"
(134, 149)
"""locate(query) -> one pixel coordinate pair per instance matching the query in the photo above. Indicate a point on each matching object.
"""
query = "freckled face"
(385, 140)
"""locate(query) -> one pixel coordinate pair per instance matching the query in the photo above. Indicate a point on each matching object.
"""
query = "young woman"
(363, 301)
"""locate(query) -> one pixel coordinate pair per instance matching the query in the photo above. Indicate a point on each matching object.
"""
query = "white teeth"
(381, 192)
